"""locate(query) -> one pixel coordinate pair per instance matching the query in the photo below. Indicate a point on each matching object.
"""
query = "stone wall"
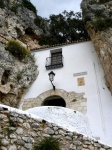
(20, 131)
(73, 100)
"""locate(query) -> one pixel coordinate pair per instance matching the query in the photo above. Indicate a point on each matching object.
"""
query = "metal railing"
(54, 62)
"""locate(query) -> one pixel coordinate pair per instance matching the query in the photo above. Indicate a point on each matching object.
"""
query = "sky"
(48, 7)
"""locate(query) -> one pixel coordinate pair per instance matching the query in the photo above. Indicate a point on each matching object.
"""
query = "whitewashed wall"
(79, 57)
(63, 117)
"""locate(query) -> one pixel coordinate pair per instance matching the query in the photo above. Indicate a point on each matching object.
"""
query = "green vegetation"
(48, 143)
(42, 23)
(101, 20)
(14, 9)
(104, 1)
(102, 24)
(19, 76)
(25, 3)
(2, 5)
(93, 2)
(12, 123)
(7, 131)
(65, 27)
(17, 50)
(98, 2)
(29, 6)
(99, 13)
(32, 57)
(19, 32)
(37, 21)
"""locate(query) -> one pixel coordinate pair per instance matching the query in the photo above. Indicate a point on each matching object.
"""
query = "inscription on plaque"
(81, 81)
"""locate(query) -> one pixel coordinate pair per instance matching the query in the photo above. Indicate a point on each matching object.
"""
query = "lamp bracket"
(53, 86)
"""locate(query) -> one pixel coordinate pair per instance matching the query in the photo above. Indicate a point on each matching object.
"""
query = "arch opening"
(54, 101)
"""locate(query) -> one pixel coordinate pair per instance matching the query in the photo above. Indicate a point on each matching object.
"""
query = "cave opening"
(54, 101)
(29, 31)
(5, 77)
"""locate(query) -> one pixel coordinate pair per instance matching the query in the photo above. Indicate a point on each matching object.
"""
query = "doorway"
(54, 101)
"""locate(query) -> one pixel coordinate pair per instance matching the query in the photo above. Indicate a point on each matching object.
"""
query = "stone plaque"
(80, 74)
(81, 81)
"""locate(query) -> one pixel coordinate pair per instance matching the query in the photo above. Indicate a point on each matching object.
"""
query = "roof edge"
(57, 45)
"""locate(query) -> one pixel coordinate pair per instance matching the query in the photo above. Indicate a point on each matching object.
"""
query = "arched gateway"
(58, 97)
(54, 101)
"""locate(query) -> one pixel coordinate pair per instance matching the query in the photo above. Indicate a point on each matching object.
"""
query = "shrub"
(86, 19)
(48, 143)
(93, 2)
(29, 6)
(2, 5)
(103, 23)
(19, 76)
(32, 57)
(37, 21)
(98, 2)
(12, 123)
(17, 50)
(104, 1)
(19, 32)
(14, 9)
(99, 13)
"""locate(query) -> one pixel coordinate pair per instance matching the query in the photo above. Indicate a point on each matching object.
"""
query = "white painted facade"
(64, 117)
(79, 58)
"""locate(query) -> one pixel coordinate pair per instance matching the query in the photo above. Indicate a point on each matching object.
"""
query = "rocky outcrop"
(97, 15)
(17, 21)
(15, 77)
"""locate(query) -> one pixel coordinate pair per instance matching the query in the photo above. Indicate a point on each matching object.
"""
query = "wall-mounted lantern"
(51, 78)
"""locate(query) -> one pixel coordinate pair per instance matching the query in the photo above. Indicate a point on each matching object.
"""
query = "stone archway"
(73, 100)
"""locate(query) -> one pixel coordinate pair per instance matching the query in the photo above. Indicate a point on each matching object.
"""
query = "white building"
(79, 84)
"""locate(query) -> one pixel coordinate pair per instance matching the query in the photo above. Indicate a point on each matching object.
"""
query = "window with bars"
(56, 59)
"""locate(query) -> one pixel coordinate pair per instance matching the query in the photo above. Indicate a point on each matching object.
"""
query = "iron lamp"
(51, 78)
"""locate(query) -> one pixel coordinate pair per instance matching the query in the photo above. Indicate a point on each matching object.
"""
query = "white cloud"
(47, 7)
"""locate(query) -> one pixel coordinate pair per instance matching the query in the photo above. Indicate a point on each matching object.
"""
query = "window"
(56, 59)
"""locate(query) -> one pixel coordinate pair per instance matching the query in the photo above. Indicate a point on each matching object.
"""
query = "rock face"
(97, 16)
(17, 21)
(15, 77)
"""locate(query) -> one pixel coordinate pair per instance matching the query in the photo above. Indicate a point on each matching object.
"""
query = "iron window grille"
(55, 61)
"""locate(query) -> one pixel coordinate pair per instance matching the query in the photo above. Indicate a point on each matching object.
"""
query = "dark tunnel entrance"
(54, 101)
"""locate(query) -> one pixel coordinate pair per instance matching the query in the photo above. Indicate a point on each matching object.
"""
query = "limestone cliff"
(18, 20)
(97, 15)
(15, 77)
